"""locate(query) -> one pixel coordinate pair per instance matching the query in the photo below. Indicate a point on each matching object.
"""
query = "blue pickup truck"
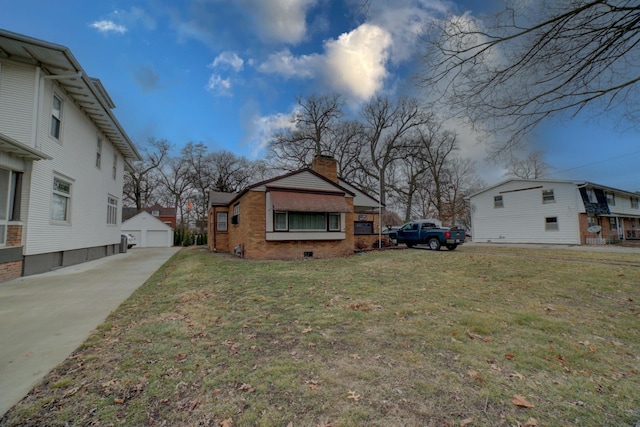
(428, 233)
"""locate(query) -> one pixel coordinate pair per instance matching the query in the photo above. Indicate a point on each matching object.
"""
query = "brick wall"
(10, 270)
(325, 166)
(217, 240)
(14, 235)
(250, 234)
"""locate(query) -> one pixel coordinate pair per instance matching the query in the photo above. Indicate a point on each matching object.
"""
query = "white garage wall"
(149, 231)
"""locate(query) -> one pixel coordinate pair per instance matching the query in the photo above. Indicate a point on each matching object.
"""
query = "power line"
(600, 161)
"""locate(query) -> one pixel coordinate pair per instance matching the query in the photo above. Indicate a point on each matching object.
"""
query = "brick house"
(62, 159)
(554, 211)
(303, 214)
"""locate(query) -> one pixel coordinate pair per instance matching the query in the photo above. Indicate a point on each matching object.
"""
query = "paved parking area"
(45, 317)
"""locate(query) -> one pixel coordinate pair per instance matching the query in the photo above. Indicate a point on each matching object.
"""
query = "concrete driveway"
(45, 317)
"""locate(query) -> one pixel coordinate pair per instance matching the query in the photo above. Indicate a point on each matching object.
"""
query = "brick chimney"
(326, 166)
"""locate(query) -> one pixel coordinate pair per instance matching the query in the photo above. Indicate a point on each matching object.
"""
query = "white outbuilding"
(149, 231)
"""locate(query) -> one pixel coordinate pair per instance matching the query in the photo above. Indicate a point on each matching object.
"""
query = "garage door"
(157, 238)
(138, 235)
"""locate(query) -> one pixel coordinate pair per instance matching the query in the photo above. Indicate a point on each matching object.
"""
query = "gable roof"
(217, 198)
(558, 181)
(144, 218)
(58, 63)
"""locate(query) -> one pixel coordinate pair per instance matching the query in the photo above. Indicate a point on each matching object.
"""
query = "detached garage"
(149, 231)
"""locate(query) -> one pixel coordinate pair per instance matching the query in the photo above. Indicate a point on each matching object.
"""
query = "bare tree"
(532, 166)
(461, 181)
(176, 183)
(142, 181)
(310, 134)
(534, 60)
(386, 127)
(435, 146)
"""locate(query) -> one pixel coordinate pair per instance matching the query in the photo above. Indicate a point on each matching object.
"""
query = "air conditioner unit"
(235, 219)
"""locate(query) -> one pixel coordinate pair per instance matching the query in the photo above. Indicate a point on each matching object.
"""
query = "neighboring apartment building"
(62, 159)
(303, 214)
(553, 211)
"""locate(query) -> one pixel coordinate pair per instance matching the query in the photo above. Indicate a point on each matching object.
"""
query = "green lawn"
(478, 336)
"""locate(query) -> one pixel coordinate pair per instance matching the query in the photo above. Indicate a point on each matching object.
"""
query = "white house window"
(307, 221)
(551, 223)
(61, 200)
(548, 196)
(155, 212)
(613, 224)
(634, 203)
(10, 189)
(334, 222)
(497, 202)
(112, 210)
(114, 170)
(56, 116)
(98, 152)
(280, 221)
(235, 219)
(221, 223)
(611, 199)
(591, 220)
(591, 195)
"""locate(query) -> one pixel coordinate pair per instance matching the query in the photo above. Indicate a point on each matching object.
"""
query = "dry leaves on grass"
(353, 396)
(521, 401)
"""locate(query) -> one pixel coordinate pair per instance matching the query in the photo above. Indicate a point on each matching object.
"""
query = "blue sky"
(226, 72)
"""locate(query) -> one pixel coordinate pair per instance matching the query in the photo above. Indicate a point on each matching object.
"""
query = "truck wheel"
(452, 247)
(434, 244)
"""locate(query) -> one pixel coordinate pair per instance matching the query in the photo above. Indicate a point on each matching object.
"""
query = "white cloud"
(353, 64)
(280, 20)
(261, 129)
(290, 66)
(106, 26)
(356, 61)
(218, 85)
(228, 59)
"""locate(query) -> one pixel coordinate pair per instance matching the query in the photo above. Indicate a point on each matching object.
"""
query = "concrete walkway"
(45, 317)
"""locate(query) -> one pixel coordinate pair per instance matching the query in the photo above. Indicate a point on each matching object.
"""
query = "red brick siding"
(14, 235)
(10, 270)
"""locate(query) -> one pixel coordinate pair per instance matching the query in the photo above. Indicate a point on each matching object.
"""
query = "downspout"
(36, 110)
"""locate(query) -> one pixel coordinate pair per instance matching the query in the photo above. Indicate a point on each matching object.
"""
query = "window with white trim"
(112, 210)
(155, 212)
(98, 152)
(548, 196)
(334, 222)
(56, 116)
(634, 202)
(591, 195)
(611, 198)
(10, 197)
(498, 202)
(306, 221)
(221, 221)
(61, 201)
(551, 223)
(280, 221)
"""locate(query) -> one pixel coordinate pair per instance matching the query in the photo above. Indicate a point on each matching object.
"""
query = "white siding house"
(553, 211)
(62, 159)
